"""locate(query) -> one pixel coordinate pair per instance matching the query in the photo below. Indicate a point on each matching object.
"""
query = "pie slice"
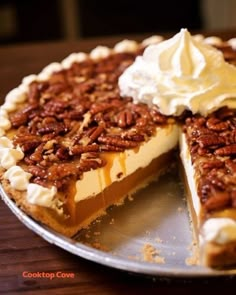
(207, 146)
(89, 131)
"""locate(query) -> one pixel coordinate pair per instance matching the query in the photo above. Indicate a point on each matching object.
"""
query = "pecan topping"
(212, 142)
(77, 115)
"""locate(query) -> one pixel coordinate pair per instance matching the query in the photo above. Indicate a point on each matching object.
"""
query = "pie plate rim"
(106, 258)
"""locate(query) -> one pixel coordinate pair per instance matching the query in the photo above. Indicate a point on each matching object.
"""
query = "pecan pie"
(72, 144)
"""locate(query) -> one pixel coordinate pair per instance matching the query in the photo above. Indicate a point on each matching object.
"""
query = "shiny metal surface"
(155, 219)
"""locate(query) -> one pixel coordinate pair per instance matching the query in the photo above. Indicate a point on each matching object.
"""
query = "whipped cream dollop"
(42, 196)
(181, 73)
(18, 178)
(9, 155)
(219, 230)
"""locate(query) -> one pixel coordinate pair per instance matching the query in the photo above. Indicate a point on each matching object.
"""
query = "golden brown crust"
(215, 255)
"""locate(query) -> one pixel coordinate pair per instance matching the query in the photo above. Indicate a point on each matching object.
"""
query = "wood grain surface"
(23, 252)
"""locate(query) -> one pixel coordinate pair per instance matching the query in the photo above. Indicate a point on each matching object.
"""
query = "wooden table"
(22, 251)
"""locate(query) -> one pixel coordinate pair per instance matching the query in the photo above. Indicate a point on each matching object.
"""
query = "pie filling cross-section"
(89, 131)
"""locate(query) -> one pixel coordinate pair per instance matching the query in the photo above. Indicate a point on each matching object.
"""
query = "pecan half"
(27, 142)
(216, 124)
(37, 171)
(80, 149)
(18, 119)
(218, 201)
(117, 141)
(226, 150)
(211, 164)
(212, 140)
(124, 118)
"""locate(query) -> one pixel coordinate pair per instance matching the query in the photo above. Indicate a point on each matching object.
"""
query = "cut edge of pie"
(210, 198)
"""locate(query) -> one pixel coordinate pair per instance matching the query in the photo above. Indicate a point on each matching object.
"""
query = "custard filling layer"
(120, 165)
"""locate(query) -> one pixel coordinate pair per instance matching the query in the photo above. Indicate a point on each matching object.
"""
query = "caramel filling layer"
(82, 212)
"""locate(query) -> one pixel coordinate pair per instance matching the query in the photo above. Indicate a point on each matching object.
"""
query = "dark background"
(42, 20)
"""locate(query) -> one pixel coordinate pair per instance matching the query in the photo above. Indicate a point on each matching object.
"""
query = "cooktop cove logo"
(48, 275)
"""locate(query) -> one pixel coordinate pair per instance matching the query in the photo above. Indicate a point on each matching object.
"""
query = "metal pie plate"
(150, 234)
